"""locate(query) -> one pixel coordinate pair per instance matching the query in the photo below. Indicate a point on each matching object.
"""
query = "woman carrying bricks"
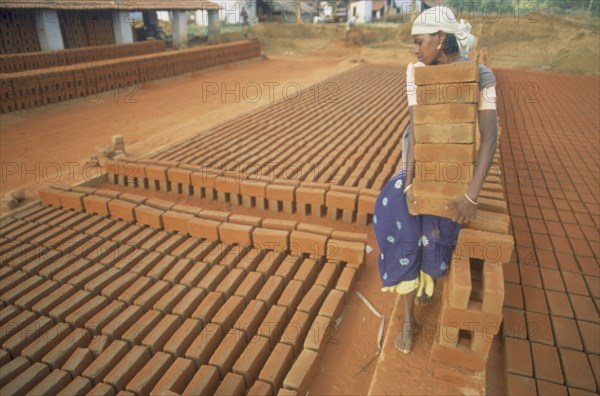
(415, 250)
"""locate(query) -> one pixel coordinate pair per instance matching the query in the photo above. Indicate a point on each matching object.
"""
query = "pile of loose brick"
(32, 88)
(108, 292)
(11, 63)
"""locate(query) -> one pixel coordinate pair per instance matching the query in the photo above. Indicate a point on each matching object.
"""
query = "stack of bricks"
(108, 292)
(18, 33)
(98, 27)
(444, 132)
(27, 89)
(72, 29)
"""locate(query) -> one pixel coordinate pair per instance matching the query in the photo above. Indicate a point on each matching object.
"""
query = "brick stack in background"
(24, 90)
(98, 27)
(73, 30)
(444, 130)
(18, 32)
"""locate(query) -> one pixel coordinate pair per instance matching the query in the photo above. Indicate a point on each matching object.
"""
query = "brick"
(147, 299)
(12, 369)
(271, 291)
(588, 332)
(149, 216)
(584, 308)
(229, 182)
(310, 195)
(50, 197)
(546, 363)
(189, 209)
(10, 296)
(99, 282)
(71, 200)
(163, 331)
(490, 222)
(235, 233)
(315, 229)
(134, 334)
(124, 371)
(328, 275)
(176, 377)
(186, 247)
(160, 204)
(288, 268)
(177, 175)
(132, 198)
(150, 374)
(519, 385)
(217, 253)
(253, 221)
(277, 366)
(141, 284)
(215, 215)
(484, 245)
(456, 92)
(252, 359)
(170, 243)
(79, 360)
(460, 356)
(107, 193)
(214, 276)
(459, 283)
(175, 221)
(321, 330)
(98, 344)
(119, 285)
(233, 384)
(106, 361)
(251, 318)
(548, 388)
(304, 242)
(333, 305)
(27, 380)
(447, 74)
(231, 282)
(203, 228)
(228, 351)
(27, 335)
(278, 192)
(273, 324)
(445, 113)
(61, 311)
(276, 224)
(104, 316)
(302, 372)
(52, 384)
(577, 370)
(189, 302)
(250, 286)
(96, 204)
(277, 240)
(307, 273)
(16, 323)
(183, 337)
(341, 200)
(260, 388)
(156, 172)
(517, 356)
(123, 321)
(229, 312)
(291, 296)
(296, 331)
(58, 355)
(349, 236)
(493, 288)
(26, 301)
(205, 382)
(350, 252)
(540, 329)
(208, 307)
(170, 299)
(535, 299)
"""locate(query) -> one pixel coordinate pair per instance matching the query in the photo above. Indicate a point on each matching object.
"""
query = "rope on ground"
(380, 316)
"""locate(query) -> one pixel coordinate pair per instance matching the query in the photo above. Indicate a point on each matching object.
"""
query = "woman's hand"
(410, 197)
(465, 210)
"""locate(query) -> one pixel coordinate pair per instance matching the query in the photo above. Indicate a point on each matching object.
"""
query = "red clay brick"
(443, 113)
(215, 215)
(307, 273)
(208, 307)
(101, 281)
(539, 328)
(233, 384)
(271, 291)
(250, 286)
(16, 323)
(349, 236)
(546, 363)
(28, 334)
(27, 380)
(252, 359)
(455, 92)
(296, 331)
(176, 378)
(577, 370)
(205, 382)
(106, 361)
(273, 324)
(96, 204)
(61, 311)
(150, 374)
(175, 221)
(517, 356)
(277, 240)
(12, 369)
(58, 355)
(231, 282)
(26, 301)
(160, 204)
(71, 200)
(328, 275)
(445, 153)
(138, 287)
(340, 200)
(183, 337)
(149, 216)
(203, 228)
(493, 288)
(228, 351)
(484, 245)
(251, 258)
(557, 302)
(548, 388)
(333, 305)
(229, 312)
(251, 318)
(277, 366)
(134, 334)
(253, 221)
(304, 242)
(302, 372)
(519, 385)
(170, 299)
(275, 224)
(448, 74)
(260, 388)
(321, 330)
(584, 308)
(116, 327)
(459, 282)
(288, 268)
(235, 233)
(270, 262)
(189, 302)
(52, 384)
(350, 252)
(128, 366)
(79, 360)
(50, 197)
(147, 299)
(163, 331)
(214, 276)
(291, 296)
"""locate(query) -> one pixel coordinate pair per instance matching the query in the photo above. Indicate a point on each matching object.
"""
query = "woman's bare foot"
(404, 341)
(423, 300)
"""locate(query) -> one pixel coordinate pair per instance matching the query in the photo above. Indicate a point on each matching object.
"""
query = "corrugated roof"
(133, 5)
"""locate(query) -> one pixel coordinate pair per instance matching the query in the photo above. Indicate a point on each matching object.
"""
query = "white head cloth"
(441, 18)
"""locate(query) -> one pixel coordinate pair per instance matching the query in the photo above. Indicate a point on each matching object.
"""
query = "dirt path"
(51, 144)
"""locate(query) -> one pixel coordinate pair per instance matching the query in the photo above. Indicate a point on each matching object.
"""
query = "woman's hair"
(450, 44)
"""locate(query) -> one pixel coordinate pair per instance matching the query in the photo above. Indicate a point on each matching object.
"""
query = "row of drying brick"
(362, 156)
(10, 63)
(19, 33)
(27, 89)
(213, 225)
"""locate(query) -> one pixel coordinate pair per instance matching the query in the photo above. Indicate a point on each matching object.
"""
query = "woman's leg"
(404, 341)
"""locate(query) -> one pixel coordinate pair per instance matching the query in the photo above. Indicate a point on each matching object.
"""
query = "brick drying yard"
(227, 262)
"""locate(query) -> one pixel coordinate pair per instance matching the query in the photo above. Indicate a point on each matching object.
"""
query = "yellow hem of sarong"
(404, 287)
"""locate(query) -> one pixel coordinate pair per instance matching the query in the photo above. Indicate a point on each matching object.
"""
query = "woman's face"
(426, 48)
